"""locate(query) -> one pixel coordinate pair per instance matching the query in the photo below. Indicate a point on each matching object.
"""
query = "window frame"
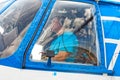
(100, 69)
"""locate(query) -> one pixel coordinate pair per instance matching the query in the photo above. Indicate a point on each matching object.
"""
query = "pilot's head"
(55, 24)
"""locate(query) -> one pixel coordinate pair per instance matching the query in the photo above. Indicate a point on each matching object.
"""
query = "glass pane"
(65, 36)
(14, 22)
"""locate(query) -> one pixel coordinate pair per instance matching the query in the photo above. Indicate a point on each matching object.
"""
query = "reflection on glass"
(65, 35)
(14, 22)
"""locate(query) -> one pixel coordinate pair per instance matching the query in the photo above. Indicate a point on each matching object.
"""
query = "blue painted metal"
(111, 31)
(113, 10)
(10, 2)
(71, 68)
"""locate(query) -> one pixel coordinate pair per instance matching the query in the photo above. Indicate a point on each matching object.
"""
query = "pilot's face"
(56, 26)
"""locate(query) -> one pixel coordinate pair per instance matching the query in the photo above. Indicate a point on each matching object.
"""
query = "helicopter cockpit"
(71, 30)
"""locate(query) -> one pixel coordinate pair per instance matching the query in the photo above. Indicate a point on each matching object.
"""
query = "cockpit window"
(14, 22)
(69, 33)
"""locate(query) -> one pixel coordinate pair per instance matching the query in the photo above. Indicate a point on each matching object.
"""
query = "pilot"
(64, 46)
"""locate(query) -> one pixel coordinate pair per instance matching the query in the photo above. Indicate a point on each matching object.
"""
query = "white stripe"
(114, 41)
(115, 56)
(104, 46)
(110, 18)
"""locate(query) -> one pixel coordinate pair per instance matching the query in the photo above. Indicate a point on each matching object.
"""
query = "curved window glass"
(69, 35)
(14, 22)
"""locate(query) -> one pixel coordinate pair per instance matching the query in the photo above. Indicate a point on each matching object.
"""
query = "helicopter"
(59, 39)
